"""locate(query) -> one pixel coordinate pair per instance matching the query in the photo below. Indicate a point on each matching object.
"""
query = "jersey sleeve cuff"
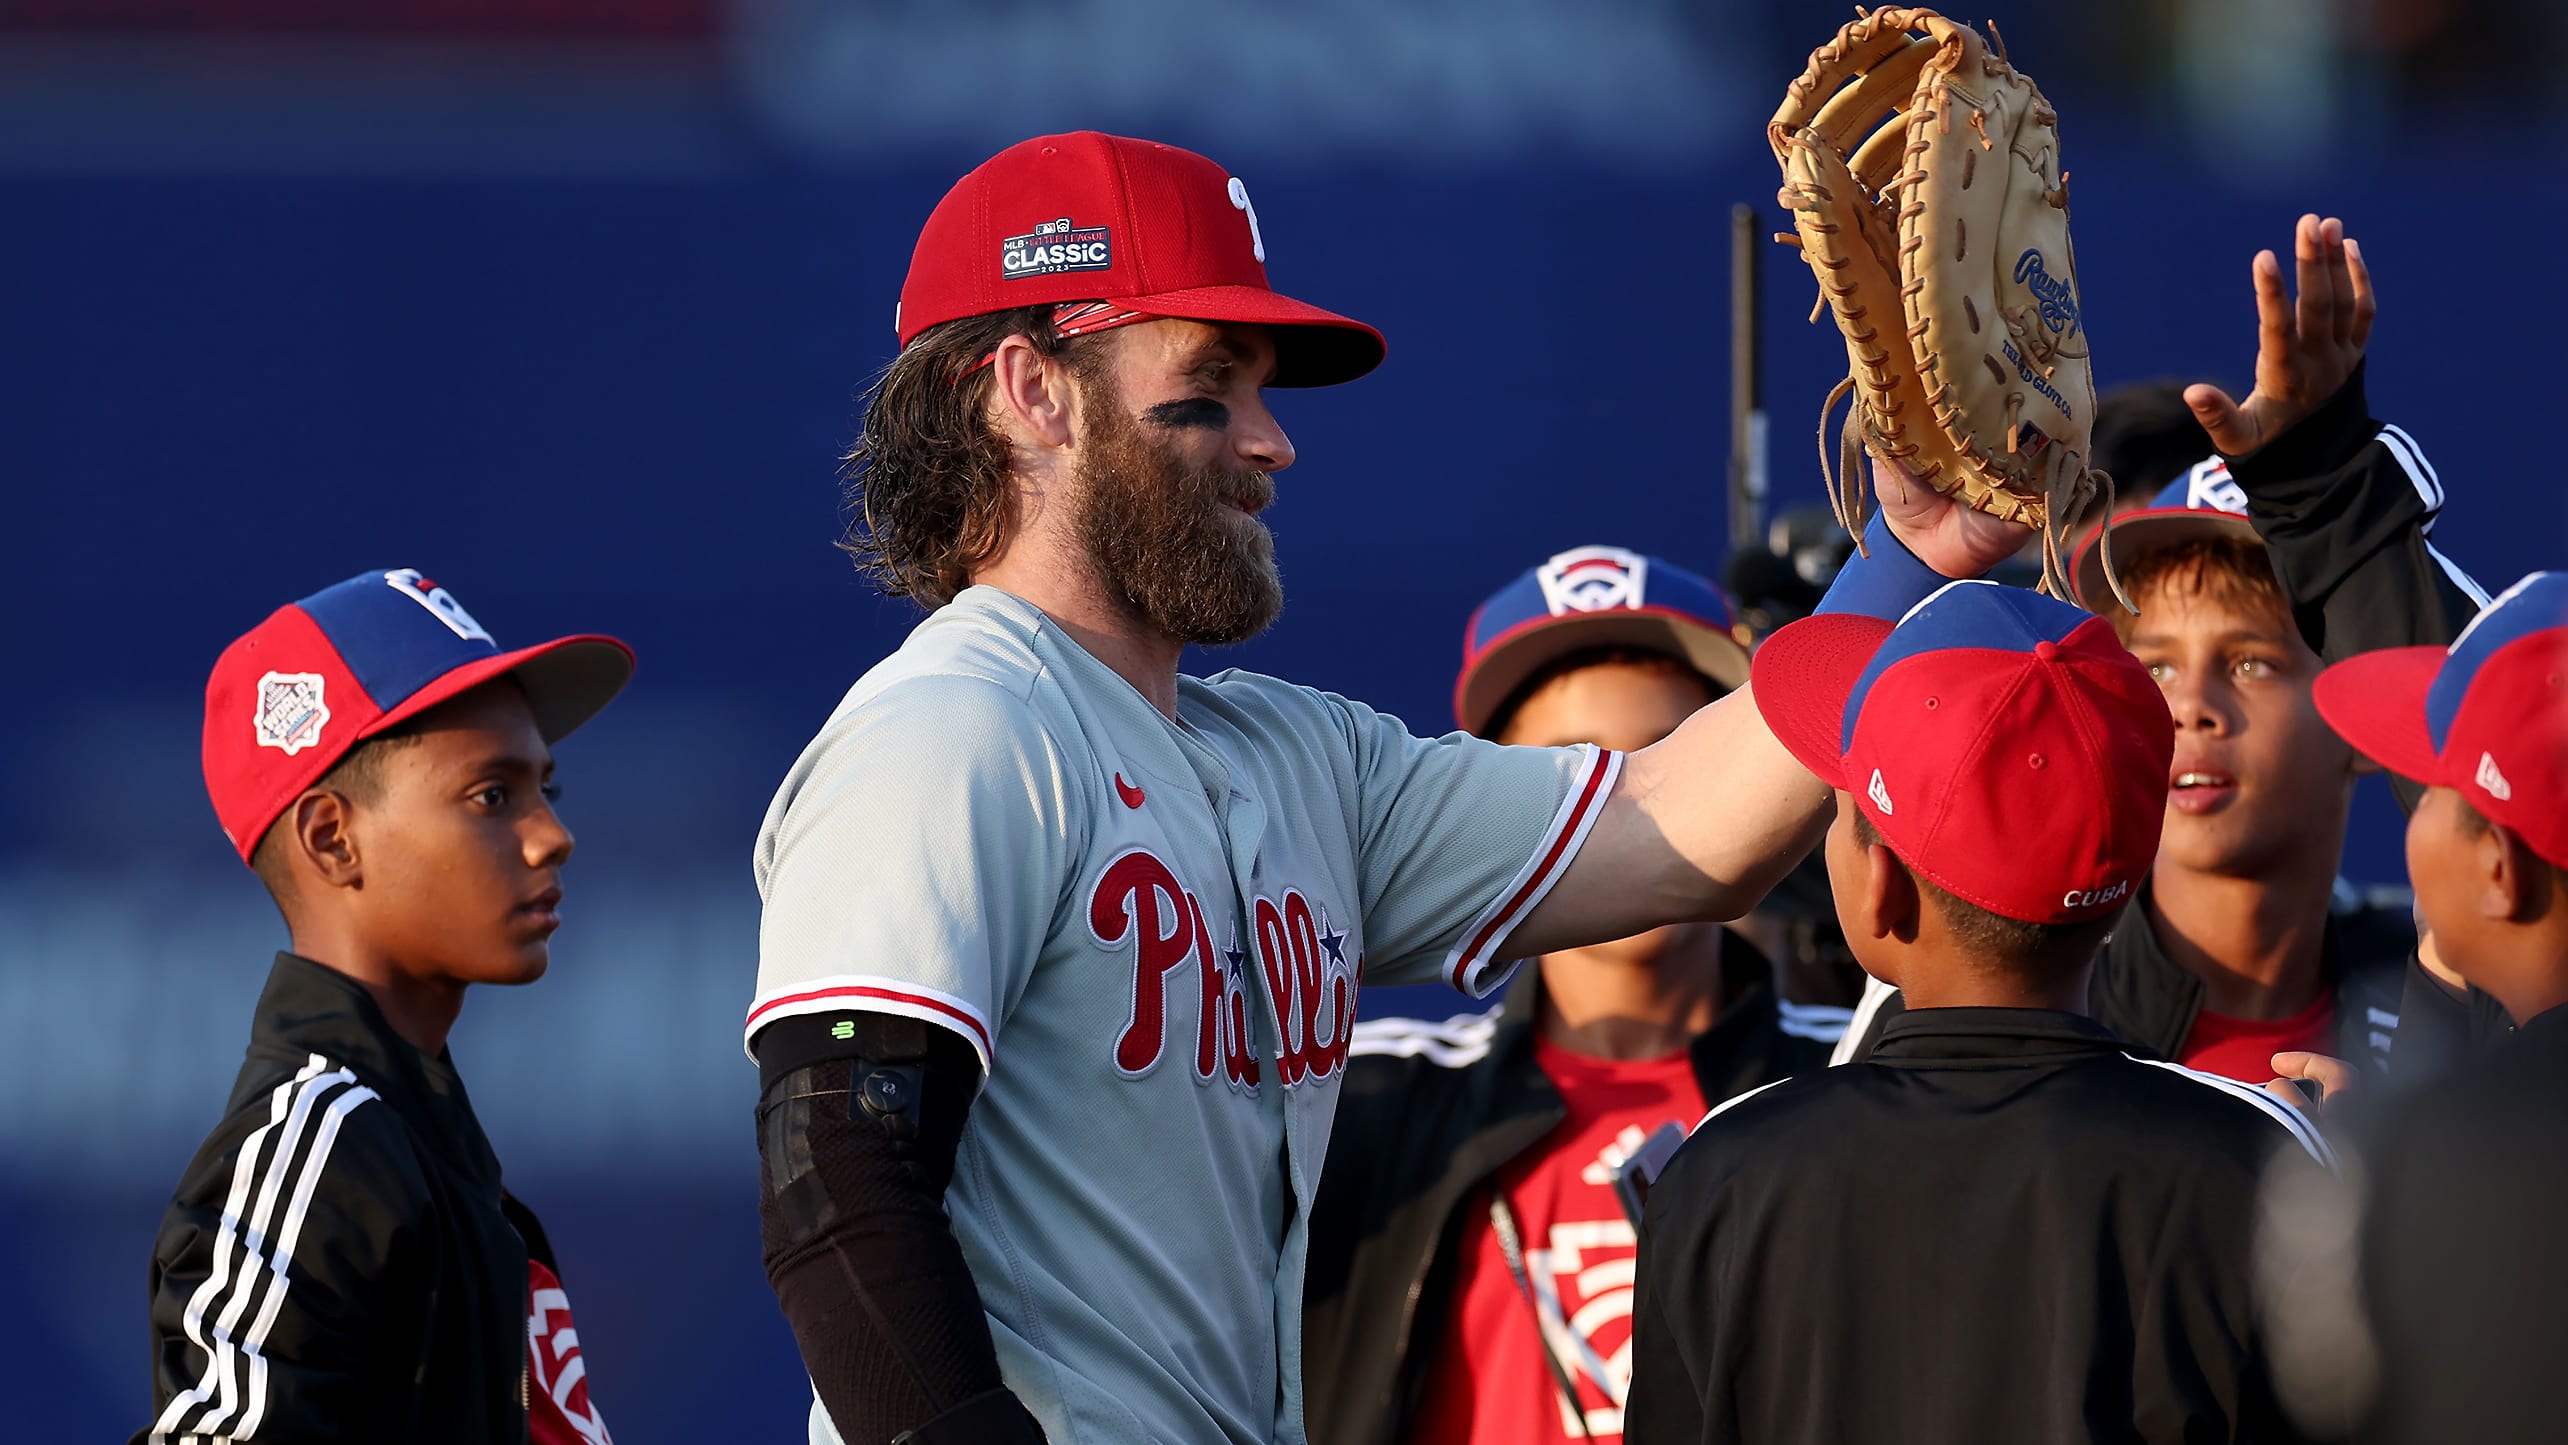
(1473, 966)
(1883, 579)
(856, 992)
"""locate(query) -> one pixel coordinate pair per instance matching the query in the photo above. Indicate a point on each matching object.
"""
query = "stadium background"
(567, 303)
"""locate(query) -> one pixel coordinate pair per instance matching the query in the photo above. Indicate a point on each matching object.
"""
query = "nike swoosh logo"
(1131, 795)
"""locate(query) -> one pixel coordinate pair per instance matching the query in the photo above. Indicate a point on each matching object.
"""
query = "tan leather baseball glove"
(1923, 173)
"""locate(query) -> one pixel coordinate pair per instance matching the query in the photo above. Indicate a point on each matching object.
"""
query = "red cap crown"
(2005, 744)
(290, 697)
(1158, 230)
(2487, 716)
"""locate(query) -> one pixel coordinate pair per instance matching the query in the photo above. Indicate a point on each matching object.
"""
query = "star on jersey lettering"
(1333, 941)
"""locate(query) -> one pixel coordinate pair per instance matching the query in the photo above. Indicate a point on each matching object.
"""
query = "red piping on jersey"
(869, 991)
(1598, 766)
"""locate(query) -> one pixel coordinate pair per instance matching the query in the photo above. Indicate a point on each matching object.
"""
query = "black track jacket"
(1999, 1228)
(1426, 1114)
(336, 1263)
(2463, 1266)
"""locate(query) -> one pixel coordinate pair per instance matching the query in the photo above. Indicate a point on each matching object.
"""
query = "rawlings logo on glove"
(1923, 173)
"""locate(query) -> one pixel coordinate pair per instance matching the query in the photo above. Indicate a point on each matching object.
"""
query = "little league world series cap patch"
(1153, 229)
(1594, 597)
(2487, 716)
(289, 698)
(2006, 745)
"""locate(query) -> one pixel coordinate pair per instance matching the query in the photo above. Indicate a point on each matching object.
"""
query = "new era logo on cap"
(287, 700)
(2487, 716)
(1594, 597)
(2029, 749)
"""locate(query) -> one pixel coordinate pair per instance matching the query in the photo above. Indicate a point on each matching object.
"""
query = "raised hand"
(2305, 347)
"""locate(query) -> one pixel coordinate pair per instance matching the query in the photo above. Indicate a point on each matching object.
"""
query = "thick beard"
(1176, 542)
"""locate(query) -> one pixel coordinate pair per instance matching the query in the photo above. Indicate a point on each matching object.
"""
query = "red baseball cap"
(289, 698)
(2006, 745)
(1091, 217)
(2487, 717)
(1594, 597)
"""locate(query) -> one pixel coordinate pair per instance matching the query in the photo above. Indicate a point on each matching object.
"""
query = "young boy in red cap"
(2001, 1226)
(339, 1261)
(2462, 1269)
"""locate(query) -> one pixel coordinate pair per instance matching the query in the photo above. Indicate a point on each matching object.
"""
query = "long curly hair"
(927, 480)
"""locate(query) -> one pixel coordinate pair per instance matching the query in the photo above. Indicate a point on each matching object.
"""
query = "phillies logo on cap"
(289, 713)
(1594, 579)
(1053, 247)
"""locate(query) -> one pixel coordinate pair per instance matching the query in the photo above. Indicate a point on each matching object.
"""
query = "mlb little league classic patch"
(1053, 247)
(290, 711)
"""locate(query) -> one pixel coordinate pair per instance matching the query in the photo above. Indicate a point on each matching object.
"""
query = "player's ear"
(1890, 899)
(1032, 392)
(326, 839)
(2518, 881)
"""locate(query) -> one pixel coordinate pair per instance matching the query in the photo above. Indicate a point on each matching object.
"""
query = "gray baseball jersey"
(1153, 934)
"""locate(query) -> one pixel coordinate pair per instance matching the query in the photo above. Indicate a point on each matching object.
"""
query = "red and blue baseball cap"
(1594, 597)
(2487, 716)
(1148, 229)
(292, 696)
(2205, 502)
(2007, 746)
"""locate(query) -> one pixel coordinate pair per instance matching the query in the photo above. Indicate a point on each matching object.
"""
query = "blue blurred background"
(567, 302)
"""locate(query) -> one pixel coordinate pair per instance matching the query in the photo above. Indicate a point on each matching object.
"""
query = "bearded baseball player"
(1061, 950)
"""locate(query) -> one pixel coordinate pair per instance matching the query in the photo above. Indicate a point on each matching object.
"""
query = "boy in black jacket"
(2462, 1270)
(2306, 537)
(2001, 1227)
(339, 1261)
(1470, 1260)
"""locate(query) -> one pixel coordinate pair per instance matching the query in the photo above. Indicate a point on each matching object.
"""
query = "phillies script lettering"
(1140, 907)
(2059, 304)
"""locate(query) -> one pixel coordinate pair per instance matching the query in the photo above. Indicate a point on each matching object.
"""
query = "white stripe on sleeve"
(1734, 1101)
(2282, 1113)
(281, 1259)
(2468, 584)
(1876, 993)
(2411, 458)
(243, 1254)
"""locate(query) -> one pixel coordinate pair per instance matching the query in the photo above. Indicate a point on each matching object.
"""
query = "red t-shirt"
(1488, 1384)
(2244, 1049)
(558, 1411)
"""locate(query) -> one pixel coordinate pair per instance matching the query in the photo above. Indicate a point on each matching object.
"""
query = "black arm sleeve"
(859, 1119)
(2342, 504)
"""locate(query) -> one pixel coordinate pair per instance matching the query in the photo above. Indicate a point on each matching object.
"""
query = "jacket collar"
(1945, 1035)
(2152, 1001)
(310, 1008)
